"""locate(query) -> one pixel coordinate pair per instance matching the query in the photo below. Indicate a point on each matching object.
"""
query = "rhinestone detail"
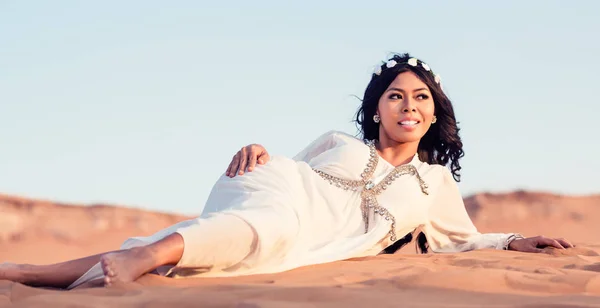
(370, 190)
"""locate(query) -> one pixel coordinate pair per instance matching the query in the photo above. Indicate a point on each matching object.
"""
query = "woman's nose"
(408, 106)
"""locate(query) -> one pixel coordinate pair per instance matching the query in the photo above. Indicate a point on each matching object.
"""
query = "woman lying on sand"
(340, 198)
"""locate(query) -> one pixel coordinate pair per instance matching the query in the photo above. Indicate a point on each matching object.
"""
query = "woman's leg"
(218, 242)
(221, 241)
(122, 265)
(128, 265)
(59, 275)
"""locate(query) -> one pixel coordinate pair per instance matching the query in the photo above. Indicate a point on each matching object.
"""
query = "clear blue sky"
(143, 103)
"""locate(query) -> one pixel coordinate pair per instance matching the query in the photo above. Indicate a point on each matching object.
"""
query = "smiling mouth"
(409, 123)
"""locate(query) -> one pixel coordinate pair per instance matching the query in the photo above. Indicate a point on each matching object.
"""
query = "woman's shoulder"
(339, 137)
(436, 175)
(326, 142)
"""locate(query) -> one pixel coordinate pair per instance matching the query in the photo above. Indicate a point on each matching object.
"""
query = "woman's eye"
(395, 96)
(422, 96)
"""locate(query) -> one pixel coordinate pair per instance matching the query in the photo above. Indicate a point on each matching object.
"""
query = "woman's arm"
(450, 229)
(246, 159)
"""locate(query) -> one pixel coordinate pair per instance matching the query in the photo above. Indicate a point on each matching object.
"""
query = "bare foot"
(127, 265)
(11, 271)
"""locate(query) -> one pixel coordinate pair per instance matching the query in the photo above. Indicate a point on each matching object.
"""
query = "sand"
(34, 231)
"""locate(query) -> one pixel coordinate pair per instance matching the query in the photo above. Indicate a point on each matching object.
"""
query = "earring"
(434, 120)
(376, 118)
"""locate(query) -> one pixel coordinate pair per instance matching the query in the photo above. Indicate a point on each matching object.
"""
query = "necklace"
(369, 190)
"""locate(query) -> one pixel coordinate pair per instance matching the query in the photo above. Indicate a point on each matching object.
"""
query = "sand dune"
(33, 231)
(573, 217)
(63, 231)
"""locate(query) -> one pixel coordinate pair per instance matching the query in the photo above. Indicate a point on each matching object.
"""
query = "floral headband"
(412, 62)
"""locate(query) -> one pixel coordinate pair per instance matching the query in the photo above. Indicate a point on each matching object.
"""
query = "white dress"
(284, 215)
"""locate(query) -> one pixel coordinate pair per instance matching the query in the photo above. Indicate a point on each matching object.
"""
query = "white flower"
(391, 63)
(377, 70)
(425, 66)
(412, 62)
(438, 79)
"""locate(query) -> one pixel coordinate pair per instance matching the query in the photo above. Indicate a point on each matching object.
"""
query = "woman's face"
(406, 109)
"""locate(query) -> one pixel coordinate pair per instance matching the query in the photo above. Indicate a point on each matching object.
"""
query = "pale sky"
(143, 103)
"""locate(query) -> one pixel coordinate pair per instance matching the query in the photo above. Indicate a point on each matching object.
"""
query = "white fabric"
(296, 218)
(233, 240)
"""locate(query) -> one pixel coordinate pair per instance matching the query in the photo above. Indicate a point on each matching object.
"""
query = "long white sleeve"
(449, 227)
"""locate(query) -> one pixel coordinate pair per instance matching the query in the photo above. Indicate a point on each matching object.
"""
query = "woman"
(340, 198)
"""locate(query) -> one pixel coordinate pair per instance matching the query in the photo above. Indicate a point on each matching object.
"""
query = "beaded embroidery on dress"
(370, 190)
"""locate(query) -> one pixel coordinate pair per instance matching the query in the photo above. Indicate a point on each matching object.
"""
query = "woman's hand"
(535, 244)
(248, 157)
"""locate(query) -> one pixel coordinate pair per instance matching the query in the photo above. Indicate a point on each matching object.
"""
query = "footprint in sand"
(592, 267)
(545, 284)
(595, 267)
(576, 251)
(350, 278)
(548, 271)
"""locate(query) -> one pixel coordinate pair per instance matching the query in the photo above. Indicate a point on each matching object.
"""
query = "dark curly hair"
(441, 144)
